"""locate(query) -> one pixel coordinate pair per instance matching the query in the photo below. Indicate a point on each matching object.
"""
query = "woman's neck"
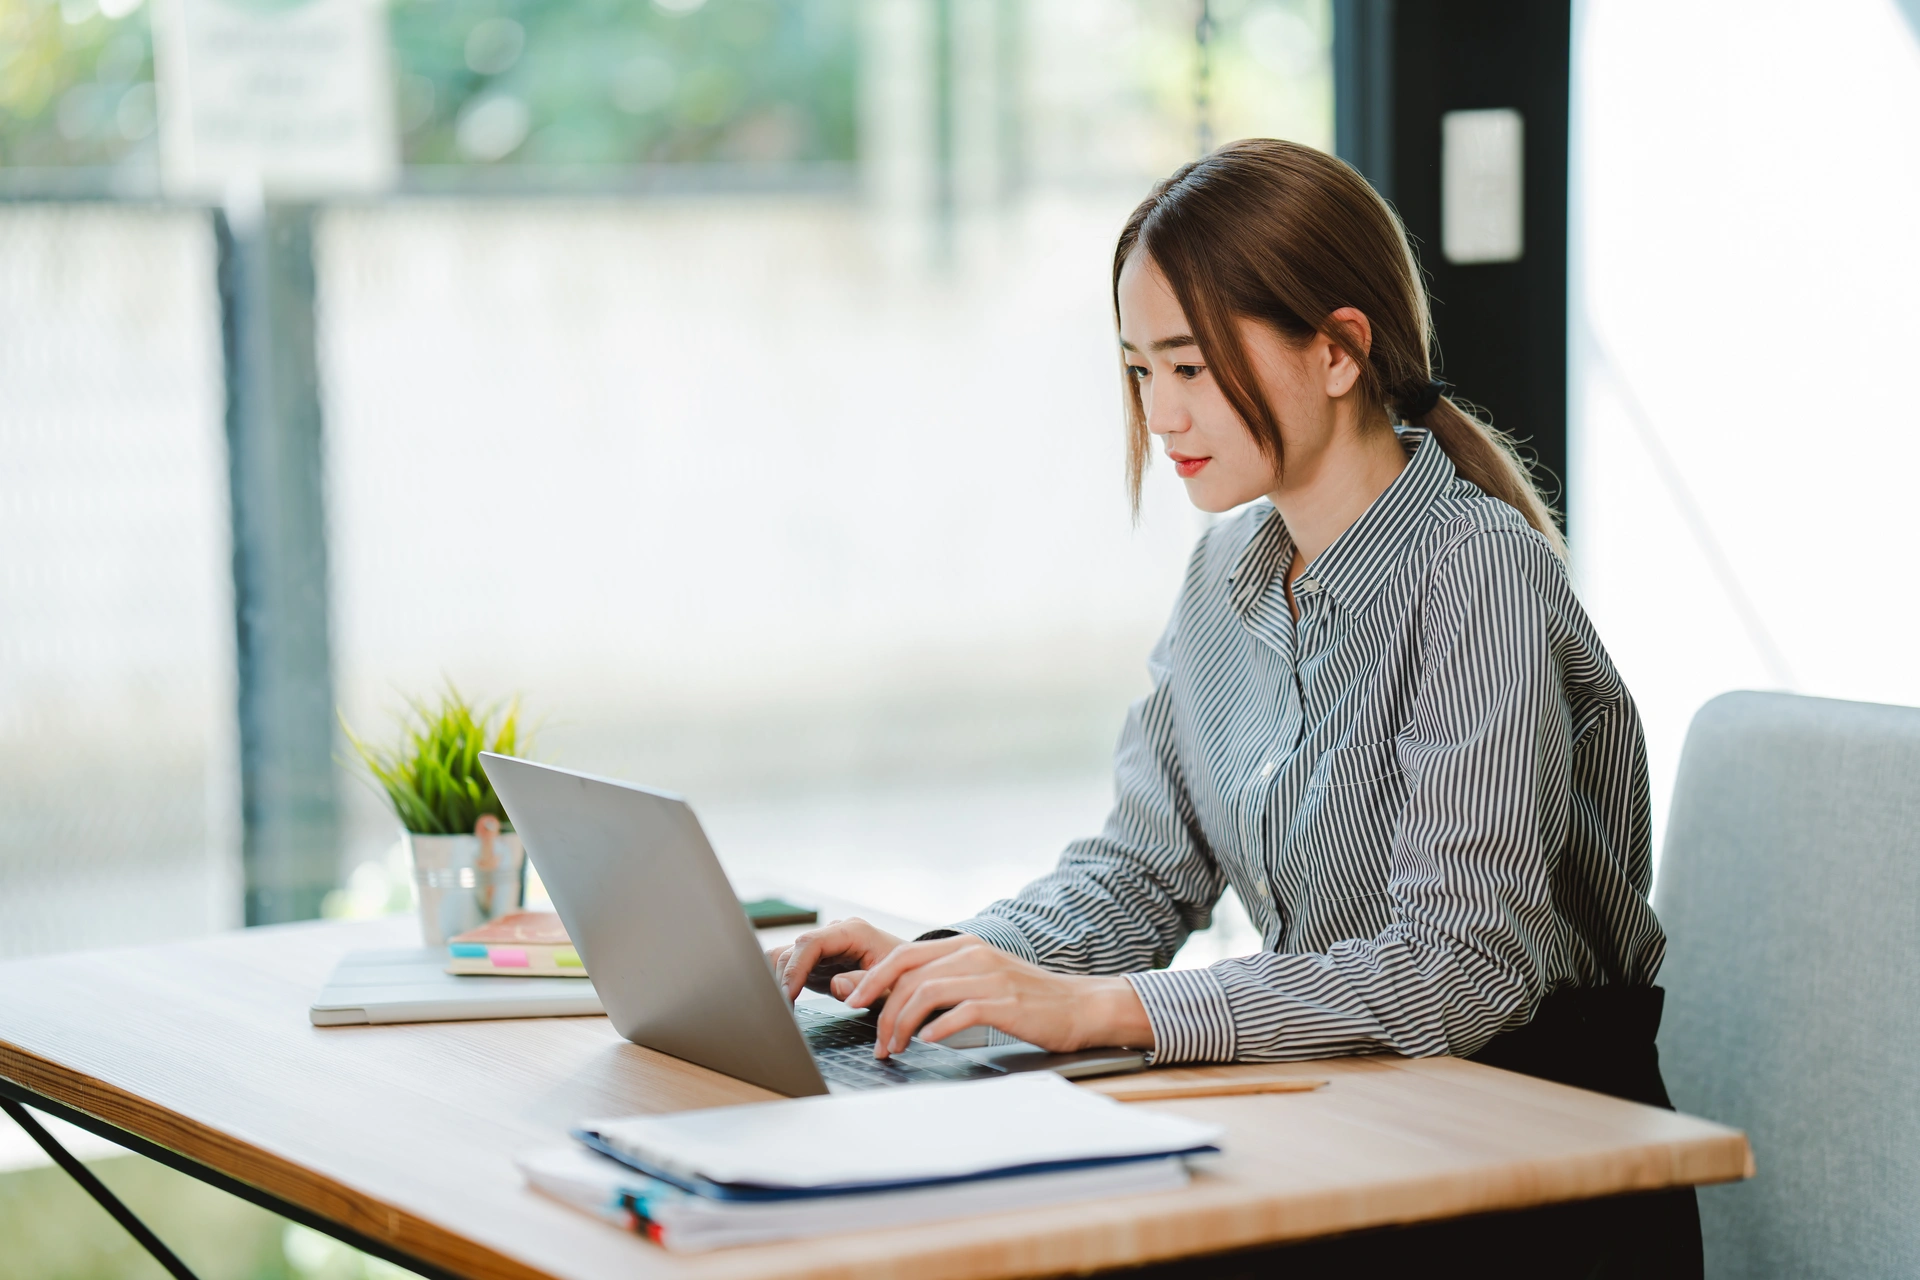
(1328, 484)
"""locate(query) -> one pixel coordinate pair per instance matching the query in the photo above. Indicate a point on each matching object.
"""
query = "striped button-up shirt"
(1430, 792)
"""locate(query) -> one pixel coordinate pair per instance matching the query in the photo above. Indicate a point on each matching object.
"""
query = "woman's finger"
(971, 1013)
(975, 960)
(808, 950)
(842, 946)
(796, 963)
(883, 977)
(906, 1006)
(842, 984)
(930, 995)
(897, 997)
(906, 1009)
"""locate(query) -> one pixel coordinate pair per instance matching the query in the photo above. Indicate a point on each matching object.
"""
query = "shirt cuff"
(1189, 1013)
(1000, 934)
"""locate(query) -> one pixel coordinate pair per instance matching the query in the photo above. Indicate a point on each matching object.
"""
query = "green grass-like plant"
(433, 777)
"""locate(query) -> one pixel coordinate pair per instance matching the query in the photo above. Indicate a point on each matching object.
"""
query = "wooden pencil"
(1144, 1088)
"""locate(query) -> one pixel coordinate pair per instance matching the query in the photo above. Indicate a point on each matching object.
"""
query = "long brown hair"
(1281, 233)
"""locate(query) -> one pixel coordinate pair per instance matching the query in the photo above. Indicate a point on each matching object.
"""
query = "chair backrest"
(1790, 891)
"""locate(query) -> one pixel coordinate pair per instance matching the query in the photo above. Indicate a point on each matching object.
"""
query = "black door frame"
(1399, 66)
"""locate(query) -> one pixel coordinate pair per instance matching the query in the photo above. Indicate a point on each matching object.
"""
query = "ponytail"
(1488, 458)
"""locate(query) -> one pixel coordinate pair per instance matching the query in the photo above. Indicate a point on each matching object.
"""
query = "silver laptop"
(676, 962)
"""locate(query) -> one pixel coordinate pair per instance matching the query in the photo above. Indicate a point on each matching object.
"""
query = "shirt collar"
(1352, 569)
(1268, 554)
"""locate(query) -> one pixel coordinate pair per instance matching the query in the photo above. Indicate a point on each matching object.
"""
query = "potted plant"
(468, 864)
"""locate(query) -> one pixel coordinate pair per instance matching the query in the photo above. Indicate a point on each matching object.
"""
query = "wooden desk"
(402, 1138)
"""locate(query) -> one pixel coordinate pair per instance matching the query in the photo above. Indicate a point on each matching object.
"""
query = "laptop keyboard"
(843, 1050)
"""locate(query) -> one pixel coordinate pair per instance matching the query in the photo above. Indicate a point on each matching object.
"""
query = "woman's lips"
(1188, 467)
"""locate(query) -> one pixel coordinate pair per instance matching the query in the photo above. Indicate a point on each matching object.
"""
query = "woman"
(1379, 713)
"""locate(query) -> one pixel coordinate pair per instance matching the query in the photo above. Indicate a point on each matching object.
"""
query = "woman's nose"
(1163, 414)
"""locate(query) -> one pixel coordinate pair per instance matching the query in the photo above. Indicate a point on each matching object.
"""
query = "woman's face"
(1210, 447)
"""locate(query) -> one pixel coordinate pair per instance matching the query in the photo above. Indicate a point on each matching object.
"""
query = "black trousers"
(1600, 1039)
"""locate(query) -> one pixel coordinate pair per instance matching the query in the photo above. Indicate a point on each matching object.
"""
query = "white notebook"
(896, 1137)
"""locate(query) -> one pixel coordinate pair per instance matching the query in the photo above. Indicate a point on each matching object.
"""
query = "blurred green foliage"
(76, 82)
(538, 82)
(433, 777)
(625, 81)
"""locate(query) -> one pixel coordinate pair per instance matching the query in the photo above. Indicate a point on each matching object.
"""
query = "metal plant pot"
(462, 882)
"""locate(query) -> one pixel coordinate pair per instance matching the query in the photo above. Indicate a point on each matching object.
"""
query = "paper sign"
(1482, 181)
(293, 98)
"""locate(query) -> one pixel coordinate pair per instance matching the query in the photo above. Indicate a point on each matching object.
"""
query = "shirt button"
(1263, 890)
(1308, 584)
(1266, 770)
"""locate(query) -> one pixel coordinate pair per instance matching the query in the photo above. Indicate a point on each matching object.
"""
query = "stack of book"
(768, 1171)
(518, 944)
(534, 944)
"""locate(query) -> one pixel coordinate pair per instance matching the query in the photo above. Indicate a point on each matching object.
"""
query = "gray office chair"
(1790, 891)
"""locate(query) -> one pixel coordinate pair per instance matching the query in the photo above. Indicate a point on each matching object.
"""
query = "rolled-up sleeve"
(1486, 754)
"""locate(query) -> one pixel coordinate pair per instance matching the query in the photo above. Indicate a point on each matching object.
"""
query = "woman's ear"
(1343, 371)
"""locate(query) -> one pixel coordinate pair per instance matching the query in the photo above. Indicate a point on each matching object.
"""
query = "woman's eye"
(1136, 372)
(1187, 371)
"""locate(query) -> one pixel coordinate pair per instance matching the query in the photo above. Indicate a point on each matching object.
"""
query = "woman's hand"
(976, 983)
(832, 959)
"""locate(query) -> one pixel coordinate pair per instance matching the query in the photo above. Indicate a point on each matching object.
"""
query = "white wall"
(1747, 181)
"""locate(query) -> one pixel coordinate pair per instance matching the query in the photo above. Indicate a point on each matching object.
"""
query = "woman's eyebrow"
(1165, 344)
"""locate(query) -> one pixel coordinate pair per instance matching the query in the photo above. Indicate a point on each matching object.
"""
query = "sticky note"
(508, 957)
(469, 951)
(567, 958)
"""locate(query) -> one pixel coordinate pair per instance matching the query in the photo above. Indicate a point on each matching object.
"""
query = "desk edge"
(278, 1181)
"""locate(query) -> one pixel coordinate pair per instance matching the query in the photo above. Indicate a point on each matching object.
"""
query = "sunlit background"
(735, 382)
(732, 380)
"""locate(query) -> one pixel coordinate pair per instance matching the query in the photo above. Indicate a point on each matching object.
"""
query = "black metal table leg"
(139, 1230)
(14, 1093)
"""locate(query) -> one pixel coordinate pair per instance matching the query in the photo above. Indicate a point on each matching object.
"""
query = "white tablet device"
(411, 984)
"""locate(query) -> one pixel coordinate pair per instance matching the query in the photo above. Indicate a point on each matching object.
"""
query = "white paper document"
(894, 1137)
